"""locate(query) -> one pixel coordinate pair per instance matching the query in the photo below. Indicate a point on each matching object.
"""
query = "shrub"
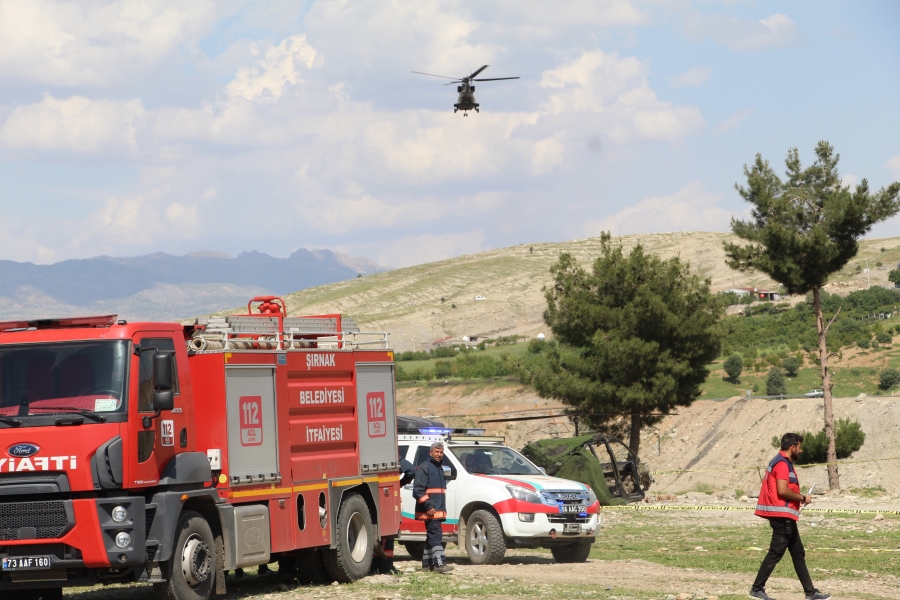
(863, 343)
(409, 355)
(883, 338)
(791, 366)
(889, 378)
(734, 366)
(775, 385)
(443, 352)
(849, 437)
(443, 369)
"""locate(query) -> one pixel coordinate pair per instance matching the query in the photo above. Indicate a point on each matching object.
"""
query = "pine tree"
(801, 231)
(775, 384)
(635, 335)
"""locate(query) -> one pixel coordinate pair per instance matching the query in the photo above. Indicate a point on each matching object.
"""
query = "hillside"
(408, 302)
(725, 440)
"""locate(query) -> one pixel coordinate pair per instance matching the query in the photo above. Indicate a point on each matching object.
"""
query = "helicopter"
(466, 100)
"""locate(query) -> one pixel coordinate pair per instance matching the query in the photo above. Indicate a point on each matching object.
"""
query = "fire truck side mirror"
(164, 381)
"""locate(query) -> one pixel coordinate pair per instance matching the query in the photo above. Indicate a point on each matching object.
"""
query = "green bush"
(863, 343)
(734, 366)
(775, 384)
(883, 338)
(888, 378)
(443, 352)
(478, 366)
(408, 355)
(849, 437)
(791, 366)
(443, 369)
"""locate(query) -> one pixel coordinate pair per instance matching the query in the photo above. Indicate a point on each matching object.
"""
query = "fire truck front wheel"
(355, 540)
(192, 569)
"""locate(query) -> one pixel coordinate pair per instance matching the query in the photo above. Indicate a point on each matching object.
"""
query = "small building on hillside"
(757, 293)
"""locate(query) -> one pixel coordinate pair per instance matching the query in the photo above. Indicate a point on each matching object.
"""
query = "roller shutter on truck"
(252, 424)
(377, 421)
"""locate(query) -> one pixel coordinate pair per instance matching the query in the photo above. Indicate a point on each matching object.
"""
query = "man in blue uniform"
(430, 494)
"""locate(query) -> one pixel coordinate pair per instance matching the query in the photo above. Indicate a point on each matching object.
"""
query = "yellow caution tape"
(753, 508)
(753, 468)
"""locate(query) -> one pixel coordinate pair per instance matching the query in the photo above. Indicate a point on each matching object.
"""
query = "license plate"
(26, 563)
(571, 508)
(572, 528)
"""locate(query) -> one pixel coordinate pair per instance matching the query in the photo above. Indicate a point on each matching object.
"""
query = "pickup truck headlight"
(592, 497)
(523, 494)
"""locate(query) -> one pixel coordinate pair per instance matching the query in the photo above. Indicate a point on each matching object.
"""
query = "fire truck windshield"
(86, 378)
(493, 460)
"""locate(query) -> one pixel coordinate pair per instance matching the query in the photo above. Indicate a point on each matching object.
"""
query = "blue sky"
(128, 128)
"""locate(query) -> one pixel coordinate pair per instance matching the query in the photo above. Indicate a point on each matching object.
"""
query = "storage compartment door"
(377, 417)
(252, 430)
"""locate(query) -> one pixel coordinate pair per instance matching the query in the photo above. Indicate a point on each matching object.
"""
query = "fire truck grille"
(148, 521)
(47, 519)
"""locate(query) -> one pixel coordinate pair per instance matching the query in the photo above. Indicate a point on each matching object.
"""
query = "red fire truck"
(170, 454)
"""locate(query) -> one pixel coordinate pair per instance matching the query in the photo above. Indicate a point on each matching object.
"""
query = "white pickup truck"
(498, 499)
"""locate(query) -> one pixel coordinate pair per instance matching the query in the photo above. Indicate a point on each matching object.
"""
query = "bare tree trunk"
(637, 421)
(822, 329)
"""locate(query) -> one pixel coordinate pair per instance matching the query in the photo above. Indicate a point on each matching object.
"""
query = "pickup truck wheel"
(192, 569)
(415, 549)
(571, 553)
(485, 543)
(352, 557)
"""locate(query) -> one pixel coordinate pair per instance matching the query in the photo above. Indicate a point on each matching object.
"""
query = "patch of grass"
(643, 537)
(869, 492)
(739, 494)
(704, 488)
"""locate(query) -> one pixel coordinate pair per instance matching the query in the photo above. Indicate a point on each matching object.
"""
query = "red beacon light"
(268, 305)
(99, 321)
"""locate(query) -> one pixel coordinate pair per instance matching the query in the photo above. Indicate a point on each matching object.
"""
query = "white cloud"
(743, 35)
(77, 125)
(849, 180)
(276, 69)
(93, 43)
(693, 77)
(616, 90)
(692, 208)
(418, 249)
(734, 119)
(893, 164)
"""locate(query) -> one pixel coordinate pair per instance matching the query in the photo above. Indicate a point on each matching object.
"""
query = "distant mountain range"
(165, 287)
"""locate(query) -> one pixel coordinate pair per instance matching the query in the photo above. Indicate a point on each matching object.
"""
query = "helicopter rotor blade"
(433, 75)
(454, 82)
(478, 71)
(496, 79)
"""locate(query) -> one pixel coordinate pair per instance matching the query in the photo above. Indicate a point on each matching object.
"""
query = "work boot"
(440, 564)
(760, 595)
(817, 595)
(426, 564)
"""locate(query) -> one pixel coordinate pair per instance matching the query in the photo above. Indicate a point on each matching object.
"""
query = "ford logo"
(23, 450)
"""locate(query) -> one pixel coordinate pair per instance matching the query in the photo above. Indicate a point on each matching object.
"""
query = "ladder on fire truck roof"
(261, 332)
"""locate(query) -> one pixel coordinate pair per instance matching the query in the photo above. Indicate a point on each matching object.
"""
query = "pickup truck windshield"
(61, 378)
(496, 460)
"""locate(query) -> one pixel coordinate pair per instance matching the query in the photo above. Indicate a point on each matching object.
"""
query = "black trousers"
(433, 542)
(785, 536)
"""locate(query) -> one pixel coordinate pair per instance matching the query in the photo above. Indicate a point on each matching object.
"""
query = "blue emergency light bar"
(434, 430)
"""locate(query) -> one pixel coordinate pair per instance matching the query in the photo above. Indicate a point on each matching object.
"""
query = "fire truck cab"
(170, 454)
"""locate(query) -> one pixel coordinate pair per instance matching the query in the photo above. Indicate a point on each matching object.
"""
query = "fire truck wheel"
(571, 553)
(484, 539)
(415, 549)
(351, 559)
(192, 568)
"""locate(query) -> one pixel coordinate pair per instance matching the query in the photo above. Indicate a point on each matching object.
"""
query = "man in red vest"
(779, 502)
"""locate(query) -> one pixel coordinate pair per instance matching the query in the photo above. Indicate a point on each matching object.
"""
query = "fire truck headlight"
(119, 514)
(123, 540)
